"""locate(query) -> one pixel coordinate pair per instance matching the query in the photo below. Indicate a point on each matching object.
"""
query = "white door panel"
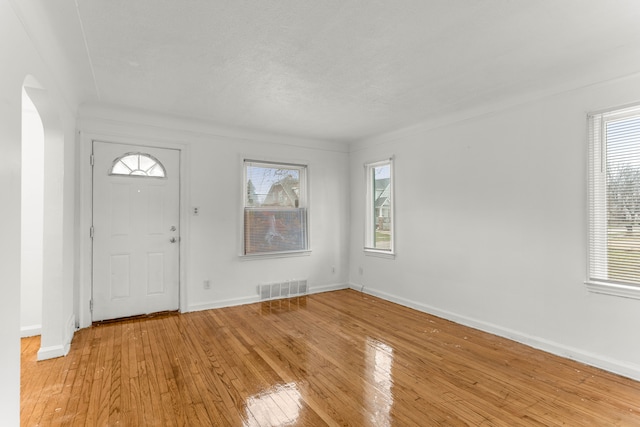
(136, 235)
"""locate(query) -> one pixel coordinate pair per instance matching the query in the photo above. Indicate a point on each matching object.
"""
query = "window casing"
(379, 210)
(275, 208)
(614, 202)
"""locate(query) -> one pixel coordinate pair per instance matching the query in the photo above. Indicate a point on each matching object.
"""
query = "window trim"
(369, 201)
(614, 289)
(304, 203)
(596, 189)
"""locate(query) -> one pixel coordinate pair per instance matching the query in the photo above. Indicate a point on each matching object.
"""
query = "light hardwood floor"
(337, 358)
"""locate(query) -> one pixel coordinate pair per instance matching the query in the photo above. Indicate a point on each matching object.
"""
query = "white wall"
(212, 178)
(32, 219)
(10, 152)
(491, 227)
(20, 58)
(216, 178)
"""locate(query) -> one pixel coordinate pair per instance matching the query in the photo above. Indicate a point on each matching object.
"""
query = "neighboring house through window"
(275, 208)
(379, 219)
(614, 202)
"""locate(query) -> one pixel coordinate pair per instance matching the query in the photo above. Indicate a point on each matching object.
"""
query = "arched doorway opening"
(55, 335)
(32, 219)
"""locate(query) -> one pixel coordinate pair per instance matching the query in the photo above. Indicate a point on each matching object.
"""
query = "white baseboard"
(625, 369)
(60, 350)
(223, 303)
(52, 352)
(69, 331)
(328, 288)
(30, 331)
(253, 299)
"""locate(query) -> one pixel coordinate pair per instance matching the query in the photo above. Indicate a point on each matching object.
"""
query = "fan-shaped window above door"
(138, 164)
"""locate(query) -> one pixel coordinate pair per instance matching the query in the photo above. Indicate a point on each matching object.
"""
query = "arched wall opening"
(54, 342)
(32, 219)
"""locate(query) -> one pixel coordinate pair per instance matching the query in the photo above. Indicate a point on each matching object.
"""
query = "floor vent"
(292, 288)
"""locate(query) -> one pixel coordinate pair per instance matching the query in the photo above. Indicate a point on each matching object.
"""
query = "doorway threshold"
(160, 314)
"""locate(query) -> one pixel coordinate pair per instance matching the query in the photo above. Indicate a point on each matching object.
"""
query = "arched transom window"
(138, 164)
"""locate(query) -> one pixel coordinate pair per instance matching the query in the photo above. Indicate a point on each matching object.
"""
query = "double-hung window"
(614, 202)
(275, 208)
(379, 214)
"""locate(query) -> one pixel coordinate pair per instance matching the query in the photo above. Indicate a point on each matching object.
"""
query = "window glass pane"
(272, 186)
(382, 207)
(131, 161)
(379, 221)
(145, 162)
(156, 171)
(120, 169)
(623, 199)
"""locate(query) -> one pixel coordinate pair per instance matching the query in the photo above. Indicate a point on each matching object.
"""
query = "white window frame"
(597, 237)
(303, 205)
(369, 219)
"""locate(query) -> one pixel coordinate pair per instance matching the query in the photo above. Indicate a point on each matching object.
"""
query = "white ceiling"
(340, 70)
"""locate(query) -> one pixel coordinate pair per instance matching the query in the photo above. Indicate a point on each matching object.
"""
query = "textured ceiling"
(345, 70)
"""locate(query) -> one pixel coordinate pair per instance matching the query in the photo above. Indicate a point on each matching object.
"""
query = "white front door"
(136, 231)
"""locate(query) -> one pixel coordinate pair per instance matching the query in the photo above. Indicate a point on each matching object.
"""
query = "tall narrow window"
(379, 234)
(275, 208)
(614, 201)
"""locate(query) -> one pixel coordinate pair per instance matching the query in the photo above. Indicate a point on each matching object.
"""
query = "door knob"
(173, 240)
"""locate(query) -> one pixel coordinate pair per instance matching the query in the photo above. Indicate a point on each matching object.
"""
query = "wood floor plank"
(125, 372)
(149, 396)
(337, 358)
(192, 387)
(79, 363)
(39, 387)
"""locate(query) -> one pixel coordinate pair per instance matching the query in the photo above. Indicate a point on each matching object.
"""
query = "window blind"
(614, 196)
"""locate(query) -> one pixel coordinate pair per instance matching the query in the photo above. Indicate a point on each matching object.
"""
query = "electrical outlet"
(206, 284)
(196, 211)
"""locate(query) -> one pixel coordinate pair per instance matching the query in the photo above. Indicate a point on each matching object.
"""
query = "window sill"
(624, 291)
(380, 254)
(274, 255)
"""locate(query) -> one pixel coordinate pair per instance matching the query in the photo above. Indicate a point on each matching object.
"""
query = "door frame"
(84, 294)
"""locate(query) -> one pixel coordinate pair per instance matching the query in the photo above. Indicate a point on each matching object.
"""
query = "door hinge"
(91, 159)
(91, 230)
(91, 305)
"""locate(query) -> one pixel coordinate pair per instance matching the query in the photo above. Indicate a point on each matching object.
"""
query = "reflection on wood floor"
(337, 358)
